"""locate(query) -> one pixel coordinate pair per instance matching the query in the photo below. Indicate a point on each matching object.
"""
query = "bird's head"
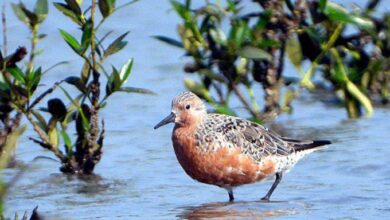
(187, 110)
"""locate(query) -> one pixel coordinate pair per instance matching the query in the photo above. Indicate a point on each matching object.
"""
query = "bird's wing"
(253, 139)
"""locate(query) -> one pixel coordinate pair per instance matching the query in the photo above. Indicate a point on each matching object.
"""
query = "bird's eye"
(188, 106)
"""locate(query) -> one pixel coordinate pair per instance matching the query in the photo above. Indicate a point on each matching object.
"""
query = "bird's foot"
(265, 199)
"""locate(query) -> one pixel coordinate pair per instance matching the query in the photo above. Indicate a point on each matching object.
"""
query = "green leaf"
(306, 79)
(232, 6)
(29, 75)
(75, 103)
(240, 32)
(32, 17)
(3, 85)
(41, 9)
(116, 82)
(71, 113)
(256, 120)
(71, 41)
(137, 90)
(67, 11)
(223, 109)
(341, 76)
(180, 9)
(102, 105)
(17, 8)
(53, 134)
(125, 71)
(288, 97)
(322, 5)
(218, 36)
(294, 52)
(210, 74)
(86, 36)
(35, 80)
(110, 86)
(76, 81)
(116, 45)
(17, 74)
(85, 72)
(106, 7)
(41, 36)
(169, 41)
(254, 53)
(361, 97)
(41, 119)
(83, 120)
(338, 73)
(199, 89)
(74, 6)
(67, 141)
(337, 13)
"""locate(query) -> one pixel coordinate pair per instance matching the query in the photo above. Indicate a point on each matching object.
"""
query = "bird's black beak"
(169, 119)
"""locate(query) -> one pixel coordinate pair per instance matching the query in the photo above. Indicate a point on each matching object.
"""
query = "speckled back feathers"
(253, 139)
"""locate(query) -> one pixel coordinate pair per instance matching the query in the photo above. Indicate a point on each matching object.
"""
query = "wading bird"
(229, 151)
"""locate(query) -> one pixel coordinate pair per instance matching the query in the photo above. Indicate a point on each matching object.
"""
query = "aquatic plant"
(350, 62)
(12, 89)
(6, 157)
(81, 155)
(234, 47)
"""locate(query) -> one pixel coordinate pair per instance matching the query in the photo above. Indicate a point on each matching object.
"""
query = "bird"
(229, 151)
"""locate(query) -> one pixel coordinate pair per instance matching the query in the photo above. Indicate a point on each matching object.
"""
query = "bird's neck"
(190, 122)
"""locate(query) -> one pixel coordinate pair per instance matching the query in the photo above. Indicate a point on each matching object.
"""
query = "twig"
(39, 98)
(48, 146)
(281, 58)
(4, 22)
(34, 40)
(126, 4)
(253, 98)
(219, 92)
(244, 101)
(54, 66)
(45, 138)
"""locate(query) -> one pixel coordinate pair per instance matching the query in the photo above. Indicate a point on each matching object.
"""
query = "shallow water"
(139, 176)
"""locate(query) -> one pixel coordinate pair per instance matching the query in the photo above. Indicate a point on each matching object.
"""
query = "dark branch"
(47, 92)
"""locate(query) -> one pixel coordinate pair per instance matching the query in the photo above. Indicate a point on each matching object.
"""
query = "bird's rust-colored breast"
(225, 167)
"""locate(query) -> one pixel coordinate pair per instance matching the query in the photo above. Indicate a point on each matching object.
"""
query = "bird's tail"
(306, 145)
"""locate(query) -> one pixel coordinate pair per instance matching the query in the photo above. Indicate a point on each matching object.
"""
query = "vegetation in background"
(11, 91)
(353, 62)
(78, 156)
(5, 158)
(234, 47)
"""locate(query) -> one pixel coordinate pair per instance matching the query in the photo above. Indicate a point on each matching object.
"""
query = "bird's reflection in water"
(239, 210)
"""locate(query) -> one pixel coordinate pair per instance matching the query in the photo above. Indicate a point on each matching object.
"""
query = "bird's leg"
(273, 187)
(231, 197)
